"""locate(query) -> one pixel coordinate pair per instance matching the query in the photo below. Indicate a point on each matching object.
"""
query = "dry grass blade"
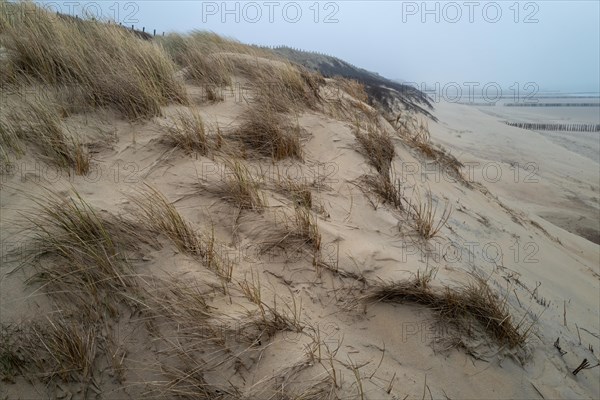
(475, 300)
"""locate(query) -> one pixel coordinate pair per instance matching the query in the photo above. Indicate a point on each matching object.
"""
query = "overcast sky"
(554, 44)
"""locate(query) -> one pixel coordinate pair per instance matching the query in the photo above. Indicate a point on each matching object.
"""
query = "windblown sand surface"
(553, 175)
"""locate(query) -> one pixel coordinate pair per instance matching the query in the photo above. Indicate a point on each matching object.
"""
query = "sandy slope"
(398, 342)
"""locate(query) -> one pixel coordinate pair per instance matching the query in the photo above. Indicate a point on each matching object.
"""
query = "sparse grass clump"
(82, 253)
(305, 227)
(377, 146)
(416, 134)
(267, 132)
(379, 149)
(424, 215)
(241, 188)
(161, 217)
(188, 133)
(386, 187)
(37, 122)
(299, 232)
(114, 68)
(71, 348)
(472, 301)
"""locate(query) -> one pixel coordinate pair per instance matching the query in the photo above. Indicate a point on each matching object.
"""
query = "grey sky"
(558, 49)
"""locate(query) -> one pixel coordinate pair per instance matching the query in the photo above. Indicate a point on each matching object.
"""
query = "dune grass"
(455, 305)
(240, 187)
(387, 188)
(424, 213)
(296, 233)
(188, 133)
(70, 345)
(160, 216)
(377, 146)
(415, 132)
(267, 132)
(198, 54)
(353, 88)
(112, 67)
(36, 122)
(81, 256)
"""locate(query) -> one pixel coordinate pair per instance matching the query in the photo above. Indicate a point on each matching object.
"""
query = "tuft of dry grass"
(198, 53)
(37, 122)
(386, 187)
(81, 255)
(353, 88)
(266, 131)
(472, 301)
(58, 347)
(71, 347)
(241, 188)
(273, 319)
(424, 215)
(112, 67)
(416, 133)
(306, 228)
(298, 232)
(377, 146)
(379, 149)
(160, 216)
(188, 133)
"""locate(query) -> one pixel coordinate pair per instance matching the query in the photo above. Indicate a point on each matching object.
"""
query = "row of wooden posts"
(552, 105)
(144, 30)
(556, 127)
(120, 24)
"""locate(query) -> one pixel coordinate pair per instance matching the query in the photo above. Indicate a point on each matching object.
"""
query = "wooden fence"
(556, 127)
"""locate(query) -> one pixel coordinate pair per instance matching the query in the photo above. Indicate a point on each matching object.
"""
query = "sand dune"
(245, 275)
